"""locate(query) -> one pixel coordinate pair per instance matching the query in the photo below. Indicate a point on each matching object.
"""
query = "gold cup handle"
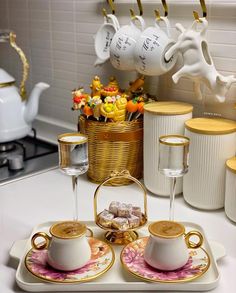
(45, 244)
(193, 244)
(116, 175)
(12, 38)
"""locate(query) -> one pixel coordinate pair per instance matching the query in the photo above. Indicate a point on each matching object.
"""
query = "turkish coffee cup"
(168, 245)
(67, 245)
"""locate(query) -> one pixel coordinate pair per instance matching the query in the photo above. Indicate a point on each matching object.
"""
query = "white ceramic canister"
(212, 142)
(161, 118)
(230, 189)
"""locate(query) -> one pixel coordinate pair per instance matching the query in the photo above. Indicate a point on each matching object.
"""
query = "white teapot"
(17, 113)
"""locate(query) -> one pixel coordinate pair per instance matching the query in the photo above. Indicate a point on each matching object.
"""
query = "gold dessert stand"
(116, 236)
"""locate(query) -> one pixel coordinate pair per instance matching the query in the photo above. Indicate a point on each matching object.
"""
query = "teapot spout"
(31, 109)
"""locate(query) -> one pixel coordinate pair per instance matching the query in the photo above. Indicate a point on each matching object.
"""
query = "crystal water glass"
(173, 161)
(73, 159)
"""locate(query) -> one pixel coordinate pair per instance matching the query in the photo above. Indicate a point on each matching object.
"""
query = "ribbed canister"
(212, 142)
(230, 189)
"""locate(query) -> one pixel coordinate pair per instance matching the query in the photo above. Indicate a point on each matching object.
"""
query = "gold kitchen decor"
(121, 219)
(213, 141)
(112, 119)
(114, 146)
(230, 189)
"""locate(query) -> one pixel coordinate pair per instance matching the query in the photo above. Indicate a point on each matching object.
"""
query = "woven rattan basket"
(114, 146)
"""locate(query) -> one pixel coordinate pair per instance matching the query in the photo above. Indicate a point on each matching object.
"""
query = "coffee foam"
(166, 229)
(66, 230)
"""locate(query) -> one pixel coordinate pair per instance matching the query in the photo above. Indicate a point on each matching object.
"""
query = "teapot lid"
(5, 78)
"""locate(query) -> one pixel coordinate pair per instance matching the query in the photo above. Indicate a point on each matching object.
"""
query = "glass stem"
(172, 198)
(74, 185)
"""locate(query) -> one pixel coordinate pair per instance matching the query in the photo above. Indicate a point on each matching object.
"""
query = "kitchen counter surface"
(48, 196)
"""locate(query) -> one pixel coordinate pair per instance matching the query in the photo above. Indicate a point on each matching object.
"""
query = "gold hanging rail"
(204, 11)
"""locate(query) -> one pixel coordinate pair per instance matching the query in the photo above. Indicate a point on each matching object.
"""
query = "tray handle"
(17, 249)
(218, 250)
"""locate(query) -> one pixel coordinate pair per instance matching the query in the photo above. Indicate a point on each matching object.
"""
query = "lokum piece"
(137, 212)
(120, 223)
(113, 207)
(133, 221)
(125, 210)
(105, 218)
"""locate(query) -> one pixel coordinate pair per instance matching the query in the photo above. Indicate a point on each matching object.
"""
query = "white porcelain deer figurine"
(198, 64)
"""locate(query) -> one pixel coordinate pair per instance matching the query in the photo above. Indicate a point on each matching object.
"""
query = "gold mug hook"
(104, 12)
(165, 7)
(112, 6)
(140, 7)
(204, 11)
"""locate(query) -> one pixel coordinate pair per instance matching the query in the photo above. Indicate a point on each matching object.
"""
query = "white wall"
(57, 37)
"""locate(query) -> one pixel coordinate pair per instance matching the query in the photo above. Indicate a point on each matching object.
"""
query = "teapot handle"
(12, 37)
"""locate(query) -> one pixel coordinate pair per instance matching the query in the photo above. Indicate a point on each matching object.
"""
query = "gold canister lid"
(211, 126)
(166, 229)
(231, 164)
(168, 108)
(68, 229)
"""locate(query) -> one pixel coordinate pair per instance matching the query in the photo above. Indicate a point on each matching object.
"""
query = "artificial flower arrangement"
(109, 103)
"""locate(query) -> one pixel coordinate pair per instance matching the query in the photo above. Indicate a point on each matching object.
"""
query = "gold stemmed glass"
(173, 161)
(73, 159)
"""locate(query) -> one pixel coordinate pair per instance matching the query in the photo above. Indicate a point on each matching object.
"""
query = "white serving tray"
(116, 279)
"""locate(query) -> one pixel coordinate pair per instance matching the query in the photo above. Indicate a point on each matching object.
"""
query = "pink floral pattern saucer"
(133, 261)
(101, 261)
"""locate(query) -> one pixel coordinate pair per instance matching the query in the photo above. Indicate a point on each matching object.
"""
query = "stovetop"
(38, 157)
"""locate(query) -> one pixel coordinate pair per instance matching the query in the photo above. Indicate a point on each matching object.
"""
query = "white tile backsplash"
(57, 37)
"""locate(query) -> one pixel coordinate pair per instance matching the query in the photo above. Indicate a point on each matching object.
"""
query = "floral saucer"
(133, 261)
(101, 261)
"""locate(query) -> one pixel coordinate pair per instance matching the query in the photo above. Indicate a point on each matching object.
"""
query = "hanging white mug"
(104, 37)
(123, 44)
(149, 53)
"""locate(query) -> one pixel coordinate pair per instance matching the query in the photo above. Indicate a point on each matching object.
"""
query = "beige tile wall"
(57, 37)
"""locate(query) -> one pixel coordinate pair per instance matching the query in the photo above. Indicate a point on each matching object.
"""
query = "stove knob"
(15, 162)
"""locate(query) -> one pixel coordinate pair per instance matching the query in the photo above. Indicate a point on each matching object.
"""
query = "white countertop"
(48, 196)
